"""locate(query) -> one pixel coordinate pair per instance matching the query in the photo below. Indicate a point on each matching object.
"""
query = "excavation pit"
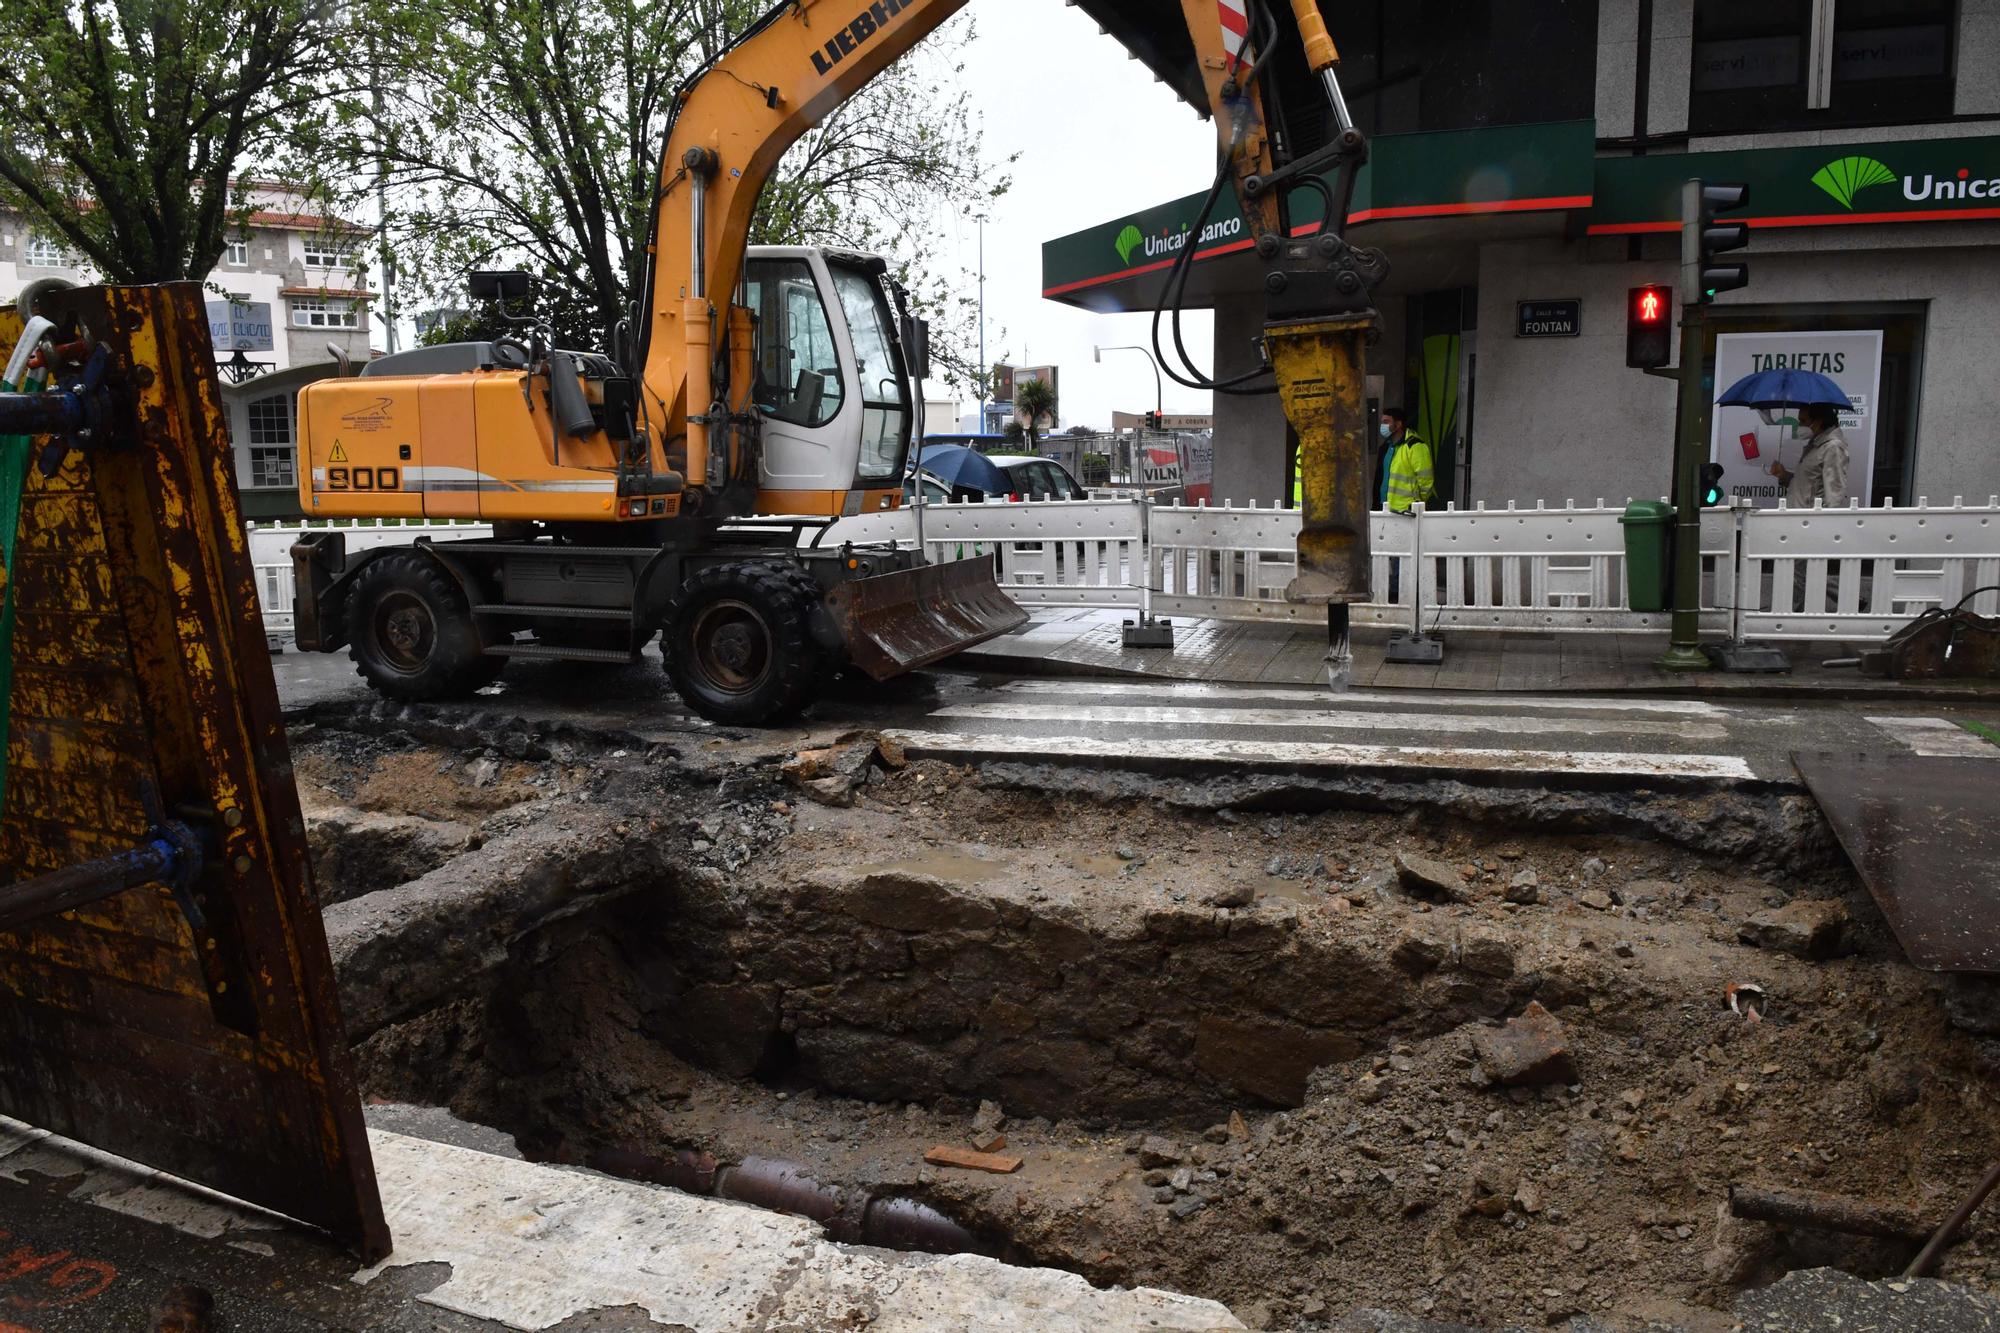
(1246, 1054)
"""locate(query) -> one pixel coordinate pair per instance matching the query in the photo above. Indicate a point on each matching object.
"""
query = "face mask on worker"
(1385, 430)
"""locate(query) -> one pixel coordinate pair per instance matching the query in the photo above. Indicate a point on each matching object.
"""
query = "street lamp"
(1097, 356)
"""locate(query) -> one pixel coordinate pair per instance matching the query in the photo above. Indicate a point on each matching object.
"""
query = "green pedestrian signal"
(1711, 485)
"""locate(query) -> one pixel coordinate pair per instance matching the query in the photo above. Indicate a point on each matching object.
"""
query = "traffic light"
(1703, 238)
(1711, 485)
(1649, 326)
(1153, 420)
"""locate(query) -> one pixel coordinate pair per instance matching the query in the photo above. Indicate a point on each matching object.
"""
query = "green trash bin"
(1649, 555)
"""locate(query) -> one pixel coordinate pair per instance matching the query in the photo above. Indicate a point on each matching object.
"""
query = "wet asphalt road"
(969, 717)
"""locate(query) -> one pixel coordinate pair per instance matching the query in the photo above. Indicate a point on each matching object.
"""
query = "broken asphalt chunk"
(1814, 930)
(1424, 877)
(1530, 1049)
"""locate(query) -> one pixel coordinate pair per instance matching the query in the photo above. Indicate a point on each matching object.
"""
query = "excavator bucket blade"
(898, 622)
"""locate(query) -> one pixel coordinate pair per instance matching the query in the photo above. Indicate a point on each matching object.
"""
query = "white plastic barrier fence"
(1541, 568)
(1861, 571)
(1502, 569)
(271, 553)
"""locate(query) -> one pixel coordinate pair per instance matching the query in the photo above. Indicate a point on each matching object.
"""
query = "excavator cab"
(833, 383)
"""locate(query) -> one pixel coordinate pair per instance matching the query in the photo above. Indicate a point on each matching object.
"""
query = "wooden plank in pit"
(142, 692)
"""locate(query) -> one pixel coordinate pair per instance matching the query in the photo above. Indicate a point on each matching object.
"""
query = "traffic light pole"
(1690, 452)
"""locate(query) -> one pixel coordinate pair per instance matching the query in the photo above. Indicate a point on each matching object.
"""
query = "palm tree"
(1035, 399)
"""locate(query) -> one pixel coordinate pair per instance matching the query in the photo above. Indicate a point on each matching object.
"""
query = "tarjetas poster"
(1746, 444)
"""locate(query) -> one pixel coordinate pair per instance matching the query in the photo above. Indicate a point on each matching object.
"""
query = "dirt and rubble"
(1298, 1062)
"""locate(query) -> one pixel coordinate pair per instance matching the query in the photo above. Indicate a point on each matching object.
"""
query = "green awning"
(1525, 169)
(1446, 174)
(1917, 180)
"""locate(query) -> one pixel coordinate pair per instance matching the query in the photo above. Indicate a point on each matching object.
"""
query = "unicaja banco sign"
(1166, 242)
(1907, 180)
(1846, 177)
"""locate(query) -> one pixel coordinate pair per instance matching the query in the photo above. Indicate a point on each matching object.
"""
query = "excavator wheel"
(739, 643)
(410, 631)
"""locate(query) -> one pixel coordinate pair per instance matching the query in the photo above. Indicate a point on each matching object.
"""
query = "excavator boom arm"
(732, 125)
(803, 58)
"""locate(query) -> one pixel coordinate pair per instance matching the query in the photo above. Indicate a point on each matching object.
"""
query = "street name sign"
(1548, 319)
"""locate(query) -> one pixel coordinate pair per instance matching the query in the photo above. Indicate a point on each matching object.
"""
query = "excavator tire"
(410, 631)
(739, 642)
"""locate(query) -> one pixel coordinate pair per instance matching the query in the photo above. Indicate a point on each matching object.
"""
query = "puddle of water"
(942, 862)
(1291, 890)
(1105, 866)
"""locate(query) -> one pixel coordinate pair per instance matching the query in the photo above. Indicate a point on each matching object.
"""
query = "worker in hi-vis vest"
(1403, 470)
(1406, 464)
(1404, 477)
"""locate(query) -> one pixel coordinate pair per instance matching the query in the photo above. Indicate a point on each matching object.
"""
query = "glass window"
(42, 252)
(1892, 60)
(272, 468)
(271, 420)
(798, 363)
(236, 251)
(312, 312)
(324, 252)
(885, 396)
(1769, 65)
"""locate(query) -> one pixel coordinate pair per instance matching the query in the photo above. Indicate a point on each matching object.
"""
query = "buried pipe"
(891, 1221)
(1827, 1212)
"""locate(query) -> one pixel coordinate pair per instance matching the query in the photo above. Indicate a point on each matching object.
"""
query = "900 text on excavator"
(681, 483)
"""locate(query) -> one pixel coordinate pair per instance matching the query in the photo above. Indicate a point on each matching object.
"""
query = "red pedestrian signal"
(1649, 326)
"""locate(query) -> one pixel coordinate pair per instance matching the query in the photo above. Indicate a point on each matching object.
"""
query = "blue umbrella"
(1785, 388)
(956, 465)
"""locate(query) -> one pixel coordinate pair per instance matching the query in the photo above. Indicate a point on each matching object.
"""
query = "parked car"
(936, 490)
(1036, 478)
(970, 475)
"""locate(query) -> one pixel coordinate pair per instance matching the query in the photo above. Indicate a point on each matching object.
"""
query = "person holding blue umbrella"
(1822, 471)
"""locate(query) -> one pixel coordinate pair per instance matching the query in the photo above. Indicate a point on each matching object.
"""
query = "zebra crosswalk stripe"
(1937, 736)
(1304, 754)
(1326, 719)
(1193, 690)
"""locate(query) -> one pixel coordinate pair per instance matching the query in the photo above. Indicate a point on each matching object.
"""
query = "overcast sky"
(1098, 138)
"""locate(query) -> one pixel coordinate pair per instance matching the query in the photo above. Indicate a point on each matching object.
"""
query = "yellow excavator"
(682, 483)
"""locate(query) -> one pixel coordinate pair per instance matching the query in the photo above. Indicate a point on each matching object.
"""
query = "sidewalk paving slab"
(1073, 641)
